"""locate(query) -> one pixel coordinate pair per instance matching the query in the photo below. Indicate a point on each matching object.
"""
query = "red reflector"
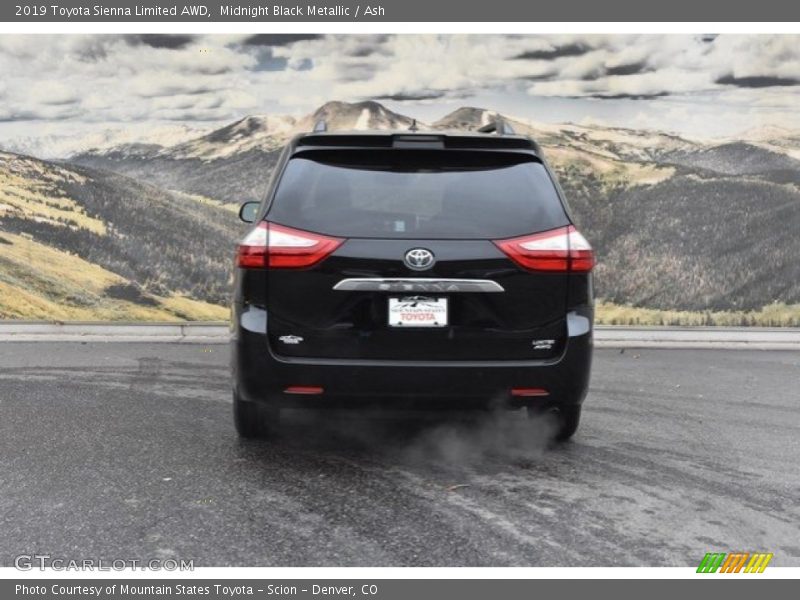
(528, 392)
(303, 389)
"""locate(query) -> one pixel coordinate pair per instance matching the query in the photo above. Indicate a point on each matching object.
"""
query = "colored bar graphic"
(711, 562)
(734, 562)
(758, 562)
(742, 561)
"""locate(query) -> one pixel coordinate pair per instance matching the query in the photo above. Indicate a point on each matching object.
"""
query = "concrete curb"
(752, 338)
(190, 332)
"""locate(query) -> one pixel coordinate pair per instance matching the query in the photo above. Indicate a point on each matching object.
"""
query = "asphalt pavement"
(119, 451)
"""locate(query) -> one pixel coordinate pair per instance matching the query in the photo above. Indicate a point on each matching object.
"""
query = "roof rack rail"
(498, 126)
(320, 126)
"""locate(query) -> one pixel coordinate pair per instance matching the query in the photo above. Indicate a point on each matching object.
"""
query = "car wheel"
(567, 419)
(253, 420)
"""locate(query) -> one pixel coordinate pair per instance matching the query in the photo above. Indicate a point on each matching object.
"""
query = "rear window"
(417, 194)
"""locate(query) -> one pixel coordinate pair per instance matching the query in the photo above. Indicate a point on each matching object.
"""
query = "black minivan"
(411, 269)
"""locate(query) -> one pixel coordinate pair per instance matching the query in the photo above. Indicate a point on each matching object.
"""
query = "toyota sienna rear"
(411, 270)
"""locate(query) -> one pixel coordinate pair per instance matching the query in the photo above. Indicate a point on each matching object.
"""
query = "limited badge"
(542, 344)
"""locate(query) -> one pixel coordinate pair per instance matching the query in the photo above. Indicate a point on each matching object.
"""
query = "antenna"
(320, 126)
(413, 126)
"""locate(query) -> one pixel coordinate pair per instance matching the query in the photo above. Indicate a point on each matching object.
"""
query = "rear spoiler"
(505, 138)
(426, 140)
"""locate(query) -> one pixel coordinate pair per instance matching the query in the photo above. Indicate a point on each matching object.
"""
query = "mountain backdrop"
(685, 230)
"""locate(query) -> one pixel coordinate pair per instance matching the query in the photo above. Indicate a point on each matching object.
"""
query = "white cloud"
(132, 79)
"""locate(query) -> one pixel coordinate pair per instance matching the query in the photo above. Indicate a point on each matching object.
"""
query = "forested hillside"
(149, 252)
(678, 225)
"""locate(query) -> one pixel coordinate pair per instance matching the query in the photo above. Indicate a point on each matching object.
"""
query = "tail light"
(559, 250)
(278, 247)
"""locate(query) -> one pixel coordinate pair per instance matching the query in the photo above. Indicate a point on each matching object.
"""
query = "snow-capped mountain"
(355, 116)
(266, 133)
(773, 138)
(229, 163)
(256, 132)
(467, 118)
(613, 142)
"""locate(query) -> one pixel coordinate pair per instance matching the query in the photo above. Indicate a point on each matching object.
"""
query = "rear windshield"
(417, 194)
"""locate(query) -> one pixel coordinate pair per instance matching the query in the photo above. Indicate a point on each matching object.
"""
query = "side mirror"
(248, 211)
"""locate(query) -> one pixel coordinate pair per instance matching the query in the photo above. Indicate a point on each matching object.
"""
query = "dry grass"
(38, 282)
(195, 310)
(29, 190)
(611, 171)
(772, 315)
(233, 208)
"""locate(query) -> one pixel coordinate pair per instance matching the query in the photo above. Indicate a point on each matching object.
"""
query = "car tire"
(567, 418)
(253, 420)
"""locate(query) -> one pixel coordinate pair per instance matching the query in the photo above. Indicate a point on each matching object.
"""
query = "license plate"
(417, 311)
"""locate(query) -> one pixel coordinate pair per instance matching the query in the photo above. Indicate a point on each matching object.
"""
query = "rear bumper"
(261, 376)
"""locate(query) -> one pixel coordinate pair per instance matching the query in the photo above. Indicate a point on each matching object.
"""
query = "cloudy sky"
(695, 85)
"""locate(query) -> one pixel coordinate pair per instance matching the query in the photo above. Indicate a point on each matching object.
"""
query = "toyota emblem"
(419, 259)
